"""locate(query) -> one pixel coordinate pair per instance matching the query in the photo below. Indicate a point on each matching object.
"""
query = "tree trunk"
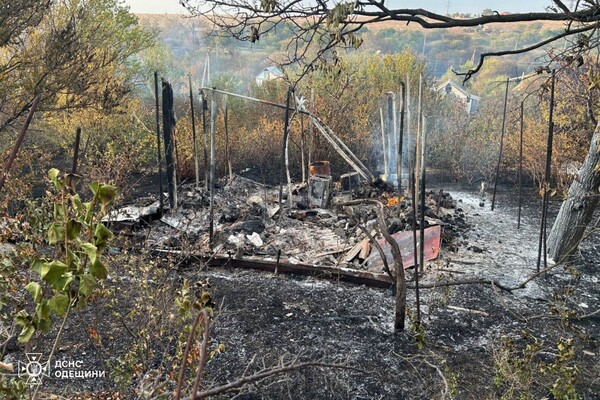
(577, 210)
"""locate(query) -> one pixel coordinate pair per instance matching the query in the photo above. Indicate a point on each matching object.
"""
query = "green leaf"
(86, 284)
(35, 290)
(73, 229)
(90, 250)
(42, 310)
(37, 264)
(26, 334)
(55, 233)
(106, 194)
(101, 236)
(59, 210)
(53, 175)
(95, 187)
(72, 261)
(98, 269)
(59, 304)
(22, 318)
(53, 274)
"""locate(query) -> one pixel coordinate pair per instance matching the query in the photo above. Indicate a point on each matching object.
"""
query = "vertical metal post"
(213, 123)
(76, 149)
(168, 122)
(196, 166)
(159, 152)
(311, 140)
(11, 158)
(501, 144)
(409, 135)
(400, 145)
(302, 158)
(227, 148)
(520, 168)
(422, 220)
(284, 148)
(383, 143)
(419, 130)
(545, 201)
(205, 134)
(391, 135)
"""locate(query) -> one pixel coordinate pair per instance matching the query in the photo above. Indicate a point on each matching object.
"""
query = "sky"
(439, 6)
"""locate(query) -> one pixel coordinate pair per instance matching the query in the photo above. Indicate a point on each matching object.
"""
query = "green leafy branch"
(79, 237)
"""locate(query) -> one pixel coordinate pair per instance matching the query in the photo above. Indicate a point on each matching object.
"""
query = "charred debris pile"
(315, 232)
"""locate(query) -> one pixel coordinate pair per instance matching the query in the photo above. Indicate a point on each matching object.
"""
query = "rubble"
(249, 223)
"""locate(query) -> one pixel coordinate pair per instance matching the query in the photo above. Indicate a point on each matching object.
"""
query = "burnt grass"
(262, 318)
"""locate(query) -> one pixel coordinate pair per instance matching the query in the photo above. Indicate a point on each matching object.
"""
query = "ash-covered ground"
(474, 344)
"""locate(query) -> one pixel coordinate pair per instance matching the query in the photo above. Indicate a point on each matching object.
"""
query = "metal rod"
(409, 135)
(419, 130)
(391, 136)
(213, 127)
(284, 148)
(76, 149)
(302, 145)
(545, 200)
(383, 142)
(159, 153)
(501, 145)
(400, 144)
(422, 221)
(196, 166)
(414, 230)
(168, 122)
(520, 167)
(227, 148)
(311, 139)
(205, 134)
(19, 141)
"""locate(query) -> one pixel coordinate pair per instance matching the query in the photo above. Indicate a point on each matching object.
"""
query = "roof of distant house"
(458, 88)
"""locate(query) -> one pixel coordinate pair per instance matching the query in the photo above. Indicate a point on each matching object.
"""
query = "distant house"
(470, 101)
(268, 74)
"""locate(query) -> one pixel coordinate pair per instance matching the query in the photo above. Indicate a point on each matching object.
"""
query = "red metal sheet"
(405, 242)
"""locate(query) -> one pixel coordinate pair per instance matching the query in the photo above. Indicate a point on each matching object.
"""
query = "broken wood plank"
(405, 242)
(353, 253)
(371, 279)
(468, 310)
(365, 250)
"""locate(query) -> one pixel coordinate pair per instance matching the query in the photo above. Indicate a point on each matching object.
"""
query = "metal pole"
(520, 168)
(409, 134)
(547, 179)
(415, 251)
(501, 144)
(213, 120)
(227, 149)
(168, 122)
(283, 152)
(311, 142)
(196, 166)
(159, 155)
(400, 145)
(76, 149)
(205, 134)
(391, 136)
(302, 159)
(419, 130)
(422, 221)
(383, 144)
(19, 141)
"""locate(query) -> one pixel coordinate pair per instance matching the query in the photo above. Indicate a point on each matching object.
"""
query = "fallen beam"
(366, 278)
